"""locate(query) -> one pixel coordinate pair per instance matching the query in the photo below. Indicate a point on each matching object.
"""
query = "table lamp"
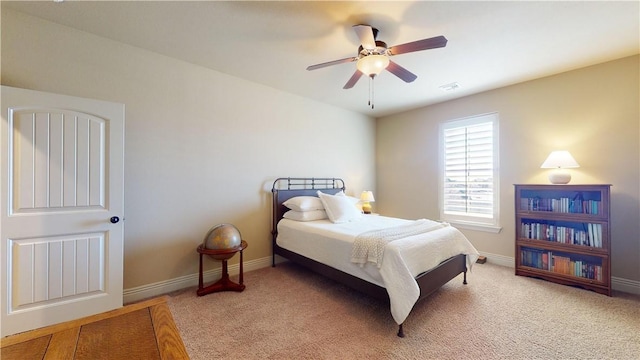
(366, 197)
(559, 160)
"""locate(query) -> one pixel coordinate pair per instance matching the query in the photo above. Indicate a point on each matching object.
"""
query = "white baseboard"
(618, 284)
(625, 285)
(163, 287)
(500, 260)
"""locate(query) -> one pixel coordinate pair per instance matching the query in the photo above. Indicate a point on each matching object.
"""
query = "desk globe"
(222, 237)
(221, 243)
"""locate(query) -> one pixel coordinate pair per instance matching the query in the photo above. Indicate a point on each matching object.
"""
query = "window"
(469, 172)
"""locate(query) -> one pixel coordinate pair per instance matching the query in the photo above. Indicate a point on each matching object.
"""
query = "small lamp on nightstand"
(366, 197)
(559, 160)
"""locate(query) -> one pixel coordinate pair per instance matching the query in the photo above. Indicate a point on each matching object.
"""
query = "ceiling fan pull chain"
(371, 92)
(369, 103)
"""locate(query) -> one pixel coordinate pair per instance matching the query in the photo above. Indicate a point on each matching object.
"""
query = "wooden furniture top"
(141, 330)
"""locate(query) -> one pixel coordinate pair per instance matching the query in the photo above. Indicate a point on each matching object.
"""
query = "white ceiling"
(491, 44)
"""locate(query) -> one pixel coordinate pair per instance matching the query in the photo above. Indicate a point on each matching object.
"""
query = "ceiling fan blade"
(424, 44)
(365, 34)
(334, 62)
(354, 79)
(402, 73)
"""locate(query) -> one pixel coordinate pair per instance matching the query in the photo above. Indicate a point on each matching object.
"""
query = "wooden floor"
(141, 331)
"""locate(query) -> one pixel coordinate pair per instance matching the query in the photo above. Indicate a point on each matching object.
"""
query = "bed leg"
(464, 280)
(400, 331)
(273, 260)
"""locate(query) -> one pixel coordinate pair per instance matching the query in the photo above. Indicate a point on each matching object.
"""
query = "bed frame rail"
(290, 183)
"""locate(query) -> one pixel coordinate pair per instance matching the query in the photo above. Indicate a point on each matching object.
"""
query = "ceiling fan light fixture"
(372, 65)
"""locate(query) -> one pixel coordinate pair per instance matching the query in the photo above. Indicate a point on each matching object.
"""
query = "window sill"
(475, 226)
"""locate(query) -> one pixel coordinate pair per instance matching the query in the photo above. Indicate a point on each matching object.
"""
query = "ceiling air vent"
(450, 87)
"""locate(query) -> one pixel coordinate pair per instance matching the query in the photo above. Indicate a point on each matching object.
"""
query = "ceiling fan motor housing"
(380, 49)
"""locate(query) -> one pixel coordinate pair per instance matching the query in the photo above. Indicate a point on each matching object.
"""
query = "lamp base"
(366, 208)
(559, 177)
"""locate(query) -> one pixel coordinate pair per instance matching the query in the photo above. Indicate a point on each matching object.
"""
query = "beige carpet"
(288, 312)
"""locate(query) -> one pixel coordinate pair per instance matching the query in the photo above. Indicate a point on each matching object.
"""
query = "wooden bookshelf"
(563, 234)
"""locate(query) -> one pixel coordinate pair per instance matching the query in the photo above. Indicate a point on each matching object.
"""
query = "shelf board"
(589, 284)
(568, 248)
(559, 216)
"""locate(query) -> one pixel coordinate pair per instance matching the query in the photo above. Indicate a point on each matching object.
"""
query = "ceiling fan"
(373, 55)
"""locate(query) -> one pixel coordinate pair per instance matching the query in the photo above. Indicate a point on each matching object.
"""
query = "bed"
(329, 248)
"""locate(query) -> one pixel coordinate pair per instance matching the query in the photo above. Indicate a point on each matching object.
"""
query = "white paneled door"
(61, 202)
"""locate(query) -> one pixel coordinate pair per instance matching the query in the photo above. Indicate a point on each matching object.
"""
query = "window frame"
(489, 223)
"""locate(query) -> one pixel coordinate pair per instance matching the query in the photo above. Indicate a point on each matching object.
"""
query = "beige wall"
(592, 112)
(202, 147)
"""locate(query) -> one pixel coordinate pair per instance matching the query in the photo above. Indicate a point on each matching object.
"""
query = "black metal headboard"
(286, 188)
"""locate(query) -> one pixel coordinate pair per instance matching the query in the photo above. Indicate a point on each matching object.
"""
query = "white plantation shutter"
(469, 172)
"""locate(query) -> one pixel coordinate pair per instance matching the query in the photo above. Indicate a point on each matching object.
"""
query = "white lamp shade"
(560, 159)
(372, 64)
(367, 196)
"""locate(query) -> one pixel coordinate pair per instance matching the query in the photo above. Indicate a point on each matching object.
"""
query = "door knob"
(114, 219)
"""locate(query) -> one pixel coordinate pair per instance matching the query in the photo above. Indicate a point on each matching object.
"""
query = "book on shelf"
(562, 205)
(592, 236)
(597, 235)
(560, 264)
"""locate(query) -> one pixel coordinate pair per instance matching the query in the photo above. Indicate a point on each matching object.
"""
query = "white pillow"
(305, 215)
(339, 208)
(353, 199)
(304, 203)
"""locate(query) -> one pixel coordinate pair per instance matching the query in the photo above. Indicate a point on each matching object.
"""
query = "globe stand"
(224, 284)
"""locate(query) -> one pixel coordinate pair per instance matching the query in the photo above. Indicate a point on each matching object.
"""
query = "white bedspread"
(369, 246)
(403, 258)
